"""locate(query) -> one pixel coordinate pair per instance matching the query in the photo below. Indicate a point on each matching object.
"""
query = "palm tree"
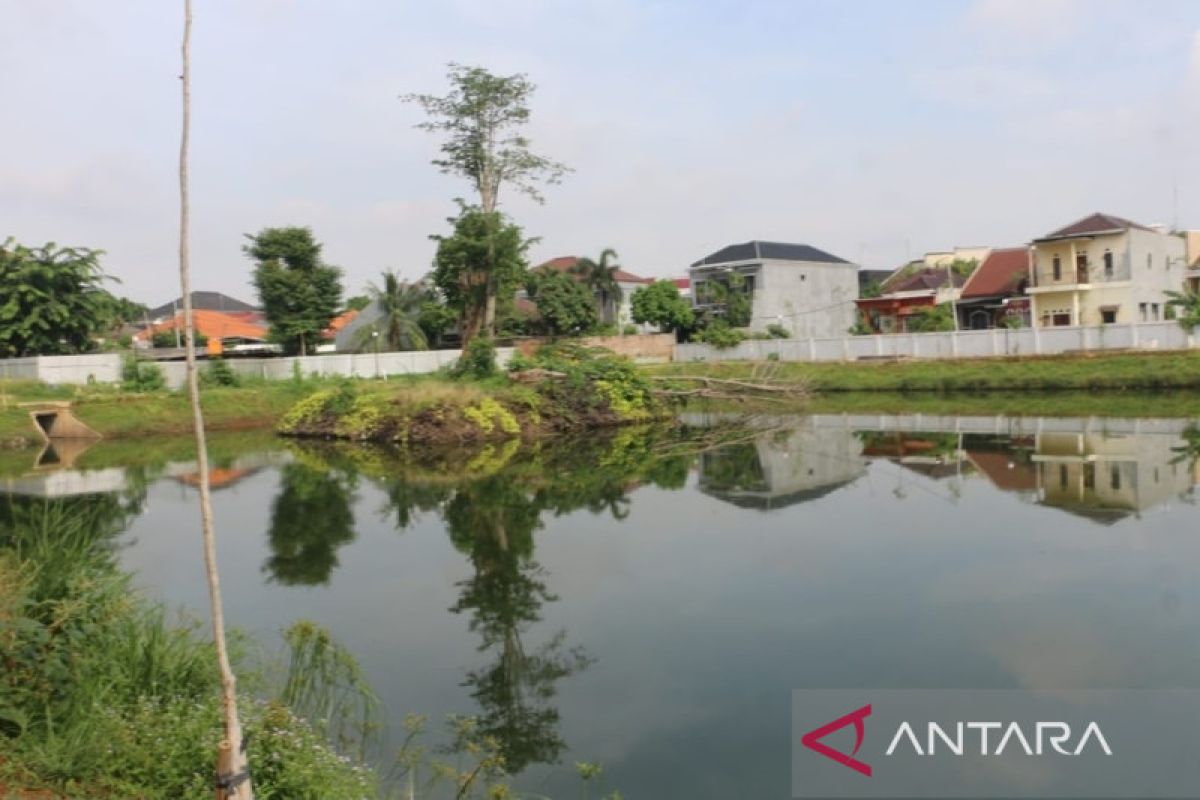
(398, 323)
(601, 277)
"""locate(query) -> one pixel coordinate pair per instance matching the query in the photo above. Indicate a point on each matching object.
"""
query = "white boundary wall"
(955, 344)
(106, 367)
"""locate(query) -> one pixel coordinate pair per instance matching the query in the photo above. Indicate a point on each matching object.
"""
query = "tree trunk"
(233, 771)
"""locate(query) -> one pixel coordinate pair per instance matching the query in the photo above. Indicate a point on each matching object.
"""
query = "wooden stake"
(233, 773)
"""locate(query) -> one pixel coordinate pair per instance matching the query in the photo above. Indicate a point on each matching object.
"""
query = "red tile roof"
(682, 283)
(337, 323)
(1000, 273)
(1094, 223)
(929, 279)
(565, 263)
(213, 325)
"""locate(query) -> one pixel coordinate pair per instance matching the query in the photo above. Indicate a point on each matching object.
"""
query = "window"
(1154, 312)
(803, 277)
(1142, 312)
(1108, 264)
(1114, 479)
(1057, 268)
(1089, 476)
(1108, 315)
(1081, 267)
(1062, 475)
(1061, 320)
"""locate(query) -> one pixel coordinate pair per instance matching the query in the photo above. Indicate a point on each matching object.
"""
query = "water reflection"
(311, 518)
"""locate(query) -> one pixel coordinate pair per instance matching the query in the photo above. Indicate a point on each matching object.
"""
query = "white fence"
(106, 367)
(955, 344)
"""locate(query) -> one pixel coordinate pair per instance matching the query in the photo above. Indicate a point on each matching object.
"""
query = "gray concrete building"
(809, 292)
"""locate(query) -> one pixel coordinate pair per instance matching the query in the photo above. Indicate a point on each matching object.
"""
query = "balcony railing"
(1087, 274)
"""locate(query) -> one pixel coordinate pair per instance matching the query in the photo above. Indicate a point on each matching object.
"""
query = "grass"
(1117, 372)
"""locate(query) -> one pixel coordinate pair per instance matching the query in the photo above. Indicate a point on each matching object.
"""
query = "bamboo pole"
(233, 773)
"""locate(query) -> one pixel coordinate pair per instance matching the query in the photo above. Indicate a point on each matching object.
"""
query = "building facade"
(809, 292)
(1103, 270)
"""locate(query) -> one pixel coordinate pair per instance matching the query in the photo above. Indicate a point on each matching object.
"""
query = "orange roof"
(218, 477)
(340, 321)
(213, 325)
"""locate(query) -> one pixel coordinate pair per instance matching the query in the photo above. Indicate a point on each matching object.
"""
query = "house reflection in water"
(782, 468)
(1109, 477)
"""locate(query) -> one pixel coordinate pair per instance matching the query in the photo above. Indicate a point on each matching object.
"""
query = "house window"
(1081, 267)
(1061, 320)
(1057, 264)
(1062, 475)
(1154, 311)
(1142, 312)
(1089, 476)
(1108, 264)
(803, 277)
(1114, 479)
(1108, 315)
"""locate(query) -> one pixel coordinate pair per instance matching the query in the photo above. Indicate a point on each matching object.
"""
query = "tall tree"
(661, 304)
(485, 256)
(52, 300)
(299, 292)
(399, 322)
(233, 766)
(564, 305)
(482, 116)
(601, 277)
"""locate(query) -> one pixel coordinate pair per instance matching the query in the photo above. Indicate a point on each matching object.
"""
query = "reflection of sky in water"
(703, 614)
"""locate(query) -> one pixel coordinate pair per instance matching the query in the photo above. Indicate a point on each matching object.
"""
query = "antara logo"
(812, 740)
(1042, 738)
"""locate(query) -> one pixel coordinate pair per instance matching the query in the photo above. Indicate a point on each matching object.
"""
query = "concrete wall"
(648, 348)
(55, 370)
(961, 344)
(808, 299)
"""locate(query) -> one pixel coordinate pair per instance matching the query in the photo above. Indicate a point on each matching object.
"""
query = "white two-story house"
(1102, 270)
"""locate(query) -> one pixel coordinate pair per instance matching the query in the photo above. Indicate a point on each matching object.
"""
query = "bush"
(167, 339)
(596, 376)
(777, 331)
(217, 372)
(630, 330)
(478, 360)
(137, 376)
(721, 336)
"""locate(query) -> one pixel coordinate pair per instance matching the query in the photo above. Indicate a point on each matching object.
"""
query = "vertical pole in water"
(233, 772)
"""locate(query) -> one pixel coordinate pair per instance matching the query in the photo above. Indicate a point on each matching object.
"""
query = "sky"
(873, 130)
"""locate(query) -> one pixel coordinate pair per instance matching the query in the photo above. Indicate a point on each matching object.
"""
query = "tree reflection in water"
(492, 501)
(311, 518)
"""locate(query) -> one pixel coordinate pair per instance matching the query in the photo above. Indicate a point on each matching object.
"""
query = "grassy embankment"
(1143, 384)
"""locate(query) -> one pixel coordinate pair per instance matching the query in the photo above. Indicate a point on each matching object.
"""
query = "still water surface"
(649, 604)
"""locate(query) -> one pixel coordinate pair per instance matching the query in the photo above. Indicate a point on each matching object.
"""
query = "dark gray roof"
(202, 301)
(783, 251)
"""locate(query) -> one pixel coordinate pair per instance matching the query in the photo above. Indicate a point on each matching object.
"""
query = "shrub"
(721, 336)
(478, 360)
(217, 372)
(777, 331)
(630, 330)
(137, 376)
(167, 339)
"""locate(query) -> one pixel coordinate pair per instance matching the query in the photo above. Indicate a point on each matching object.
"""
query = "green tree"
(1187, 308)
(661, 304)
(52, 300)
(600, 276)
(358, 302)
(932, 319)
(481, 117)
(565, 306)
(484, 257)
(299, 292)
(435, 318)
(399, 324)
